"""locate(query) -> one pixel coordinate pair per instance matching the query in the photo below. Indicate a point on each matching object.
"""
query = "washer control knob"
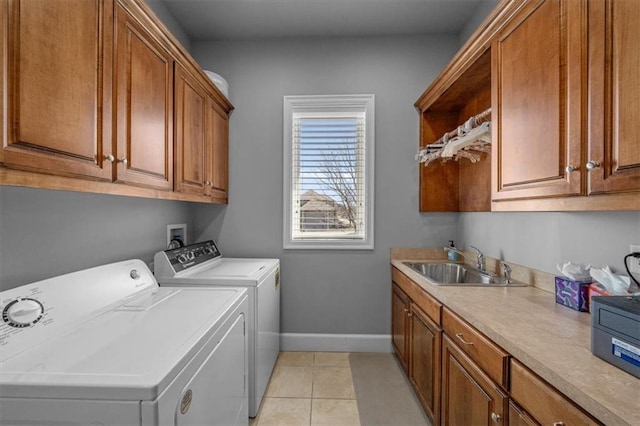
(190, 255)
(23, 312)
(182, 258)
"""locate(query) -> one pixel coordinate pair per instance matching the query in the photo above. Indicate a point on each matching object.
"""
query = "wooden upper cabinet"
(538, 74)
(455, 185)
(58, 94)
(201, 138)
(191, 109)
(614, 78)
(564, 95)
(144, 96)
(88, 100)
(218, 146)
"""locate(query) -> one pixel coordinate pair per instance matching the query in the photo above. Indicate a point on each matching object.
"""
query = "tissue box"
(573, 294)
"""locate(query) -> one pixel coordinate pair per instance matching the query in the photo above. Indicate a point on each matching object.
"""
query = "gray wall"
(47, 233)
(482, 11)
(325, 291)
(542, 240)
(348, 292)
(161, 11)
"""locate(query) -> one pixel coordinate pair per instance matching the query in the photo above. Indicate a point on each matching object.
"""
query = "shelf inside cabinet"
(455, 185)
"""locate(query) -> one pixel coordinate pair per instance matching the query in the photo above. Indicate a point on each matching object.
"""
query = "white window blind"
(328, 184)
(328, 176)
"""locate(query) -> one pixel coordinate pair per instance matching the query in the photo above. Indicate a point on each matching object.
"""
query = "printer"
(615, 331)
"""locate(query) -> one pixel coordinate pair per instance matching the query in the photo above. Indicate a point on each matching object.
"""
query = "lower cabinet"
(400, 325)
(417, 341)
(469, 396)
(542, 402)
(424, 361)
(519, 417)
(460, 376)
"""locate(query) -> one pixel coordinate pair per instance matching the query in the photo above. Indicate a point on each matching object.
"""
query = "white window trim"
(331, 103)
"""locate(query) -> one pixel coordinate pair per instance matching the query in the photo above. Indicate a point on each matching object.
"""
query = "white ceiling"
(250, 19)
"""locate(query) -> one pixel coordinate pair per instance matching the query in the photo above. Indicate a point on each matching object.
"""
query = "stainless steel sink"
(445, 273)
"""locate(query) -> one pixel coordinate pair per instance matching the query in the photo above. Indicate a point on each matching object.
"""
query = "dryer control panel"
(186, 257)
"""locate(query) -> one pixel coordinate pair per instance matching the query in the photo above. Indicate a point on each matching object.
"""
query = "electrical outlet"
(634, 262)
(178, 232)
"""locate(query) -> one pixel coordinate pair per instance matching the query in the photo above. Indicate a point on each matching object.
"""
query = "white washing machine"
(201, 265)
(108, 346)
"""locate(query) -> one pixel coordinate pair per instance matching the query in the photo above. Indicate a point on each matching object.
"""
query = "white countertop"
(552, 340)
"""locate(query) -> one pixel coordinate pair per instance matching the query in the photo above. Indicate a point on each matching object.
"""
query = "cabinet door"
(539, 68)
(614, 139)
(399, 325)
(542, 401)
(424, 370)
(519, 417)
(58, 91)
(144, 91)
(469, 397)
(218, 146)
(191, 108)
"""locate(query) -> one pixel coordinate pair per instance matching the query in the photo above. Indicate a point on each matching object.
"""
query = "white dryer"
(108, 346)
(202, 265)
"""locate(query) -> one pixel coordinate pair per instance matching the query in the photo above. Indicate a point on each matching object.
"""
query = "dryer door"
(216, 394)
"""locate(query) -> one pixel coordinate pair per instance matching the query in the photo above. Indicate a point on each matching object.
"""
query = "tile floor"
(311, 389)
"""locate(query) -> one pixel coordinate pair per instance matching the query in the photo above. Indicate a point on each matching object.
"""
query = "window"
(328, 171)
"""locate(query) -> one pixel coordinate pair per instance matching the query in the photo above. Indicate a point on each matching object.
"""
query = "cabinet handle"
(123, 161)
(570, 169)
(592, 165)
(558, 423)
(406, 310)
(496, 417)
(110, 158)
(410, 314)
(461, 338)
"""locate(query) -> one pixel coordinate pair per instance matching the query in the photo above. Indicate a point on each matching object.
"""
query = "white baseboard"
(335, 342)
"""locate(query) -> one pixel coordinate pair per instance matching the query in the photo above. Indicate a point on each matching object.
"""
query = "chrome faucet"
(506, 273)
(480, 261)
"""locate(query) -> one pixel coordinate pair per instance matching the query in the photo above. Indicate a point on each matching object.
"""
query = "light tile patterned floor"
(310, 389)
